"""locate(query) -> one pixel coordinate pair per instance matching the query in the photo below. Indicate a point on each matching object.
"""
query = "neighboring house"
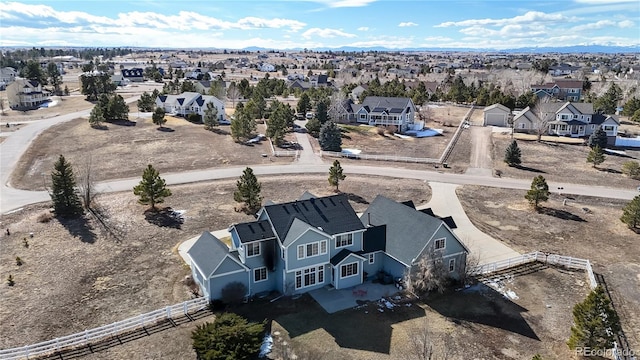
(26, 94)
(266, 67)
(385, 111)
(496, 115)
(319, 80)
(561, 89)
(119, 80)
(189, 103)
(7, 75)
(300, 84)
(315, 242)
(202, 86)
(567, 119)
(358, 90)
(133, 75)
(563, 70)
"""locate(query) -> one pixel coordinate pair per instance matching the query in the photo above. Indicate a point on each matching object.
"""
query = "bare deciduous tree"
(425, 344)
(426, 113)
(86, 182)
(427, 274)
(335, 110)
(544, 116)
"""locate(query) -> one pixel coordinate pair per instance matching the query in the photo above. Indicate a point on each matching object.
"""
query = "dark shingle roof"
(254, 231)
(375, 239)
(408, 230)
(333, 214)
(340, 256)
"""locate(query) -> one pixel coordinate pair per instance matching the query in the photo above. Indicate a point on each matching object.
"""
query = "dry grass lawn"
(563, 163)
(123, 151)
(75, 276)
(596, 234)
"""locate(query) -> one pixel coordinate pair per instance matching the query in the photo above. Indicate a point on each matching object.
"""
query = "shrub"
(194, 118)
(392, 129)
(380, 130)
(631, 169)
(10, 281)
(18, 261)
(45, 217)
(217, 305)
(234, 292)
(25, 243)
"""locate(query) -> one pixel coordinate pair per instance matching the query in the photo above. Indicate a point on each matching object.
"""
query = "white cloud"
(530, 17)
(363, 28)
(626, 24)
(604, 1)
(407, 24)
(184, 20)
(325, 33)
(344, 3)
(437, 39)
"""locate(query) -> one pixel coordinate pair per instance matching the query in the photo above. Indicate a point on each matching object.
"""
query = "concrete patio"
(333, 300)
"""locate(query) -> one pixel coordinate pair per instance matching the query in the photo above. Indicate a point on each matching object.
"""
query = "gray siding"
(372, 269)
(199, 279)
(226, 266)
(218, 283)
(452, 245)
(262, 286)
(357, 244)
(308, 237)
(392, 266)
(290, 281)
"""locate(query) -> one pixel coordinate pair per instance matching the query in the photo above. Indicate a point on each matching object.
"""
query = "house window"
(344, 240)
(607, 128)
(260, 274)
(522, 125)
(439, 244)
(564, 117)
(253, 249)
(312, 249)
(452, 265)
(372, 258)
(309, 277)
(575, 116)
(593, 126)
(348, 270)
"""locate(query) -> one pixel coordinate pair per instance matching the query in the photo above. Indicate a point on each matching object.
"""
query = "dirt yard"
(124, 150)
(562, 163)
(587, 228)
(477, 323)
(76, 276)
(59, 105)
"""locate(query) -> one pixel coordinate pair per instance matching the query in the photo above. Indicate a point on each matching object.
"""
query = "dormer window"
(253, 249)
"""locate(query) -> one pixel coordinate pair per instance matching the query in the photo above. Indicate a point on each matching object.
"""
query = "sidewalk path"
(444, 202)
(307, 155)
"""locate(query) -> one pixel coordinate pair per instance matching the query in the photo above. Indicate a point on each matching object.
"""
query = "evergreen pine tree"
(595, 322)
(210, 118)
(512, 155)
(598, 138)
(229, 337)
(152, 189)
(243, 125)
(631, 213)
(66, 202)
(158, 117)
(278, 122)
(322, 112)
(336, 175)
(96, 118)
(330, 138)
(596, 156)
(539, 191)
(248, 191)
(313, 127)
(304, 103)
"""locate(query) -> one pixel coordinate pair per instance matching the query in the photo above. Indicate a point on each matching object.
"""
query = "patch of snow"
(425, 133)
(267, 345)
(351, 151)
(402, 136)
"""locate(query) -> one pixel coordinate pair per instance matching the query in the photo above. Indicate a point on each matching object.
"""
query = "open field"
(75, 276)
(124, 150)
(596, 234)
(562, 163)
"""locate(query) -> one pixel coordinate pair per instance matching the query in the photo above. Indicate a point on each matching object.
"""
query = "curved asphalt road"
(15, 145)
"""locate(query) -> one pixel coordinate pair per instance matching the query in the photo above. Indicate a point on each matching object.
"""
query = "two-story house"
(26, 94)
(314, 242)
(189, 103)
(7, 75)
(380, 111)
(566, 119)
(133, 75)
(561, 89)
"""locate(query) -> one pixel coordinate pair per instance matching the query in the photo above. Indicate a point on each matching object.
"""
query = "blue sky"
(320, 23)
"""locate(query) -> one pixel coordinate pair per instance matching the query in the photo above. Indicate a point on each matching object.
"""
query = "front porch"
(572, 128)
(332, 300)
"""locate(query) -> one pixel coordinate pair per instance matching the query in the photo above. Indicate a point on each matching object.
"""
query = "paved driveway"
(444, 202)
(480, 163)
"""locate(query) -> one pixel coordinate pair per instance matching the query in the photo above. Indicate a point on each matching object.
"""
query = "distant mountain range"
(606, 49)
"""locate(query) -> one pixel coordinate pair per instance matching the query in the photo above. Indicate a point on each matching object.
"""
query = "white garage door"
(494, 120)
